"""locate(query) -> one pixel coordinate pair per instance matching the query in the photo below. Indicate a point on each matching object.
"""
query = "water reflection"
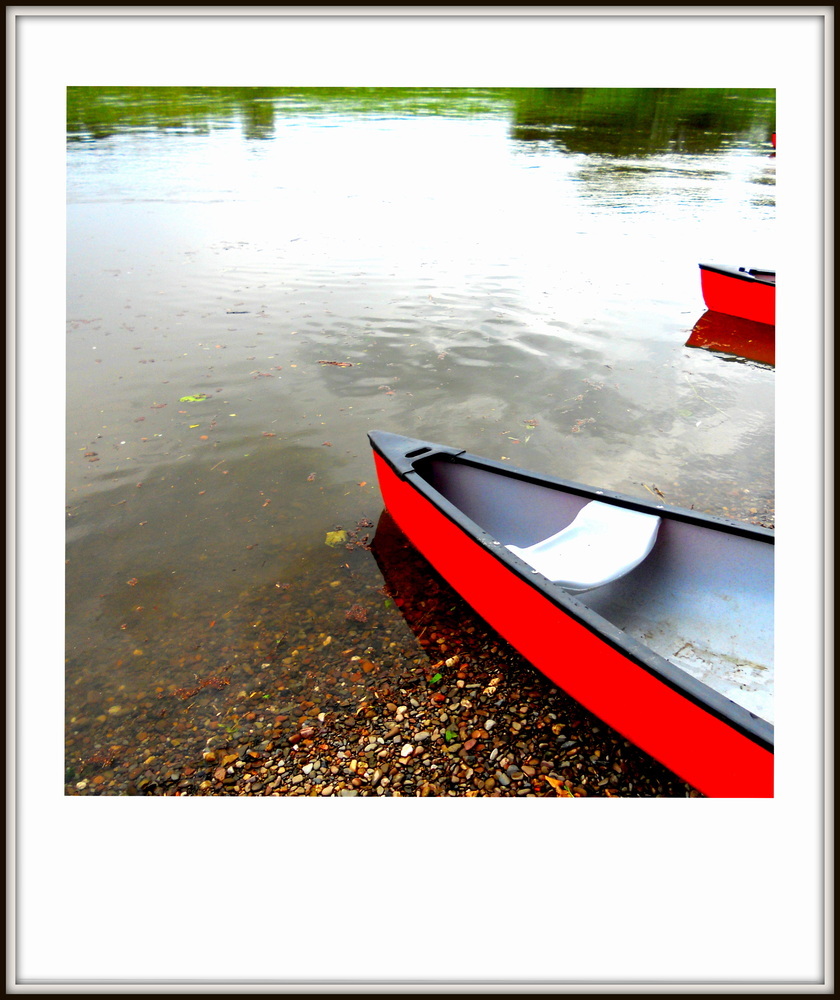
(589, 120)
(621, 122)
(738, 339)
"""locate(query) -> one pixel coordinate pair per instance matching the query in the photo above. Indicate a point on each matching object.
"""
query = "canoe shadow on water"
(738, 339)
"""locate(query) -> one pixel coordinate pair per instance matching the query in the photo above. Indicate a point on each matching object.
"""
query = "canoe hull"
(740, 293)
(591, 666)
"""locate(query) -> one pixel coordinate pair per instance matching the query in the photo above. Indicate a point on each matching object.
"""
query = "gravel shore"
(360, 690)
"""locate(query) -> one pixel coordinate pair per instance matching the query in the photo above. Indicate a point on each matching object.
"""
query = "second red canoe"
(748, 292)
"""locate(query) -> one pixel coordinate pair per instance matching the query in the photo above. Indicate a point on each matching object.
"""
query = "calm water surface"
(520, 286)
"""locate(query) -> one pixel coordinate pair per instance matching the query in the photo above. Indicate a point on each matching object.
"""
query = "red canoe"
(740, 291)
(656, 619)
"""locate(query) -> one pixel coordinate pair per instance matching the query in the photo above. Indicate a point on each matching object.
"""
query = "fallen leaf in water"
(336, 538)
(311, 477)
(338, 364)
(199, 397)
(132, 582)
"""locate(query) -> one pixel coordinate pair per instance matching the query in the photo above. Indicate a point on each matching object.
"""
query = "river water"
(253, 284)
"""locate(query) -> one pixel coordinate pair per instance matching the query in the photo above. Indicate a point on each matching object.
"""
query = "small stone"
(327, 790)
(407, 750)
(489, 723)
(114, 710)
(419, 737)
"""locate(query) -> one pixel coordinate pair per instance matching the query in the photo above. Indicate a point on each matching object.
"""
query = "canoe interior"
(703, 598)
(768, 276)
(748, 275)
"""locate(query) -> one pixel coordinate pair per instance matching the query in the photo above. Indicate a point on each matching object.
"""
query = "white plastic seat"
(602, 544)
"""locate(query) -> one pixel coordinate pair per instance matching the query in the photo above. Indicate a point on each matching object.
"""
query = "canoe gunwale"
(408, 466)
(752, 276)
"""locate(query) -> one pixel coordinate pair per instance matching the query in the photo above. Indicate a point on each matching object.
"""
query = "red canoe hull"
(736, 292)
(701, 748)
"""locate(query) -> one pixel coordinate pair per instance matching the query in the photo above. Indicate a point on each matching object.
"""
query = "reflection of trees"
(613, 122)
(637, 121)
(258, 117)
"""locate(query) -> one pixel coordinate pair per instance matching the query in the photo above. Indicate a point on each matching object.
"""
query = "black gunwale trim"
(393, 449)
(735, 272)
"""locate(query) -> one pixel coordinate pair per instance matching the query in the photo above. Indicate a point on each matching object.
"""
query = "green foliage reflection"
(605, 121)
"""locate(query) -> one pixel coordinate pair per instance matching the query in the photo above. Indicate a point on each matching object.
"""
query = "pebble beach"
(396, 690)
